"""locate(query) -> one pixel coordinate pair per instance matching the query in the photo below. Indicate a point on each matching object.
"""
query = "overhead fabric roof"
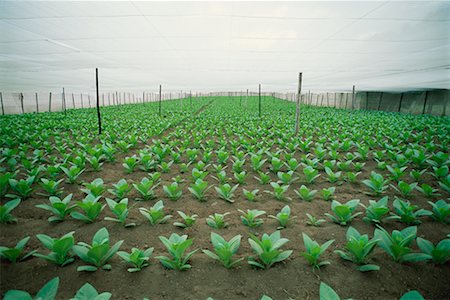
(219, 46)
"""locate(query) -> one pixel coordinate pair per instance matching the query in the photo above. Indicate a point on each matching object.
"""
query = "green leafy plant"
(427, 190)
(176, 246)
(313, 221)
(412, 295)
(275, 164)
(217, 221)
(327, 194)
(87, 291)
(351, 176)
(226, 192)
(439, 254)
(376, 183)
(440, 211)
(90, 207)
(47, 292)
(343, 212)
(396, 172)
(15, 254)
(60, 208)
(155, 214)
(326, 292)
(173, 191)
(279, 191)
(120, 210)
(283, 217)
(96, 188)
(145, 189)
(305, 194)
(188, 220)
(268, 250)
(408, 213)
(5, 211)
(314, 251)
(22, 188)
(130, 163)
(250, 195)
(264, 178)
(376, 211)
(98, 253)
(286, 177)
(139, 259)
(199, 188)
(404, 188)
(333, 176)
(311, 174)
(223, 250)
(60, 249)
(357, 249)
(257, 162)
(72, 173)
(250, 218)
(51, 187)
(120, 189)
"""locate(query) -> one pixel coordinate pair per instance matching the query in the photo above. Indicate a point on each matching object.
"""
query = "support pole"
(259, 105)
(425, 102)
(346, 100)
(353, 97)
(64, 101)
(37, 103)
(1, 100)
(367, 100)
(400, 102)
(81, 97)
(159, 100)
(73, 101)
(89, 99)
(21, 102)
(98, 103)
(50, 102)
(297, 110)
(380, 100)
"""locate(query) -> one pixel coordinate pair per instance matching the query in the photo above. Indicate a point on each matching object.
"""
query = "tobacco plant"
(176, 246)
(96, 188)
(60, 208)
(217, 221)
(47, 292)
(226, 192)
(120, 210)
(343, 213)
(60, 248)
(145, 189)
(314, 251)
(408, 213)
(250, 218)
(198, 189)
(439, 253)
(173, 191)
(189, 220)
(15, 254)
(283, 217)
(5, 211)
(440, 211)
(120, 189)
(267, 250)
(139, 259)
(155, 215)
(224, 250)
(305, 194)
(90, 207)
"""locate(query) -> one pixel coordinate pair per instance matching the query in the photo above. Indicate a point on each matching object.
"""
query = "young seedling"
(217, 221)
(173, 191)
(250, 218)
(121, 189)
(311, 174)
(139, 259)
(314, 251)
(15, 254)
(198, 189)
(188, 220)
(61, 249)
(376, 183)
(264, 178)
(226, 192)
(96, 188)
(357, 249)
(327, 194)
(87, 291)
(95, 162)
(90, 207)
(376, 211)
(257, 162)
(223, 250)
(5, 211)
(283, 217)
(73, 173)
(47, 292)
(130, 163)
(176, 245)
(51, 187)
(305, 194)
(326, 292)
(439, 254)
(250, 195)
(98, 253)
(120, 209)
(313, 221)
(286, 178)
(427, 190)
(155, 214)
(279, 191)
(276, 164)
(440, 211)
(22, 188)
(146, 189)
(198, 174)
(416, 175)
(404, 188)
(396, 172)
(343, 212)
(240, 177)
(351, 176)
(408, 213)
(60, 208)
(268, 250)
(333, 176)
(412, 295)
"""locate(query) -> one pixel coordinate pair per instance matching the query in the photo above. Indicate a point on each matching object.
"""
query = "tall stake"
(21, 102)
(353, 98)
(37, 103)
(1, 100)
(50, 102)
(64, 101)
(297, 111)
(73, 101)
(159, 100)
(98, 103)
(259, 105)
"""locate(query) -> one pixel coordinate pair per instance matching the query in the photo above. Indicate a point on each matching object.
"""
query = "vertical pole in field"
(346, 100)
(379, 101)
(81, 99)
(1, 100)
(37, 103)
(328, 100)
(50, 102)
(190, 97)
(353, 97)
(321, 101)
(89, 99)
(425, 102)
(159, 100)
(73, 101)
(335, 99)
(297, 110)
(181, 100)
(400, 102)
(109, 99)
(246, 99)
(103, 99)
(143, 97)
(259, 104)
(21, 102)
(98, 103)
(64, 101)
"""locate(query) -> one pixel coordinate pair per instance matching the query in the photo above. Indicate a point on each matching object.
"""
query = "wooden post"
(367, 100)
(246, 99)
(89, 99)
(64, 101)
(297, 110)
(37, 103)
(353, 97)
(425, 102)
(346, 100)
(50, 102)
(379, 101)
(73, 101)
(400, 102)
(328, 100)
(181, 100)
(1, 100)
(21, 102)
(321, 101)
(259, 105)
(335, 99)
(98, 103)
(160, 100)
(81, 97)
(109, 99)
